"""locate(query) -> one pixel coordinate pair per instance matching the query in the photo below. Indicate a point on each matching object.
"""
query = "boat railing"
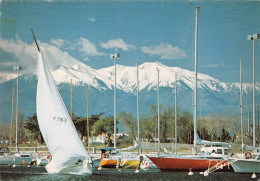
(42, 149)
(219, 165)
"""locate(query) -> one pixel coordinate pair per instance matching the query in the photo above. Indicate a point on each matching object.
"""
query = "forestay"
(60, 135)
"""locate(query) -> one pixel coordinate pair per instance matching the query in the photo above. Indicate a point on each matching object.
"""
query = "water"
(39, 173)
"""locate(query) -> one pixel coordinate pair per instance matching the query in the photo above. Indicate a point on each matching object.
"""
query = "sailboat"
(194, 161)
(113, 158)
(249, 163)
(60, 135)
(134, 161)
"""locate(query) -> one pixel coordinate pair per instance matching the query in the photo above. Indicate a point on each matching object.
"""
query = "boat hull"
(108, 163)
(42, 161)
(246, 165)
(129, 163)
(184, 164)
(6, 160)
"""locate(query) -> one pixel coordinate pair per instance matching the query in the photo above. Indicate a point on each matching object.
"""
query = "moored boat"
(108, 158)
(43, 160)
(248, 164)
(130, 163)
(111, 157)
(17, 159)
(185, 163)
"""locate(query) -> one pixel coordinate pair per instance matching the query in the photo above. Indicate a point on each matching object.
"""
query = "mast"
(137, 102)
(195, 89)
(11, 129)
(254, 138)
(175, 110)
(17, 68)
(158, 108)
(258, 117)
(16, 132)
(241, 104)
(253, 38)
(114, 57)
(248, 121)
(87, 117)
(115, 107)
(71, 98)
(38, 47)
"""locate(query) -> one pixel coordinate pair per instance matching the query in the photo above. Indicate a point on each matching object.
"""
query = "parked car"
(215, 148)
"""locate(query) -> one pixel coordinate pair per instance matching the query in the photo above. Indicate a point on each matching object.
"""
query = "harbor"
(30, 168)
(153, 112)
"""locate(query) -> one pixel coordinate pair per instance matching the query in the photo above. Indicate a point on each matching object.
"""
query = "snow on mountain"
(127, 80)
(246, 87)
(80, 74)
(126, 76)
(4, 76)
(213, 94)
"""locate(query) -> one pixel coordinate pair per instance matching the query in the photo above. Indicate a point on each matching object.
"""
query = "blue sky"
(141, 31)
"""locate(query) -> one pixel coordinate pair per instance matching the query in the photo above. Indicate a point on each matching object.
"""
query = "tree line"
(223, 127)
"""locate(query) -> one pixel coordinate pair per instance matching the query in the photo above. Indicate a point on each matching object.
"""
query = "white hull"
(79, 168)
(245, 165)
(17, 160)
(42, 161)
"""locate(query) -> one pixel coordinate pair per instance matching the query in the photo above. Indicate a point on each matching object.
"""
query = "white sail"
(59, 133)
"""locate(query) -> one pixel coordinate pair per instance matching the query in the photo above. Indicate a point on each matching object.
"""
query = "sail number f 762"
(59, 119)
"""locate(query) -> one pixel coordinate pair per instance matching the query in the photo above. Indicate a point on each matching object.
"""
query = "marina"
(189, 126)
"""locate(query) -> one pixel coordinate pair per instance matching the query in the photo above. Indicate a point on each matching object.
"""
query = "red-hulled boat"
(192, 162)
(181, 163)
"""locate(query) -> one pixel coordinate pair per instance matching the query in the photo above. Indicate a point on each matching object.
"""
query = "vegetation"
(104, 125)
(130, 123)
(81, 124)
(31, 124)
(223, 127)
(5, 130)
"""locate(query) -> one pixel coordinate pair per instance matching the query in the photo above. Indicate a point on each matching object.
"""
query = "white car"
(215, 148)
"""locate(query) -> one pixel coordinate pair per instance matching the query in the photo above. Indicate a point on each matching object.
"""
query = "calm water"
(39, 173)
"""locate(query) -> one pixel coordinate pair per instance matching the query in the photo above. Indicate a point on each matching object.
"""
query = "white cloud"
(26, 55)
(92, 19)
(165, 51)
(58, 42)
(117, 43)
(88, 48)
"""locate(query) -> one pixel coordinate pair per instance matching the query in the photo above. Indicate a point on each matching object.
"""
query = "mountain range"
(213, 95)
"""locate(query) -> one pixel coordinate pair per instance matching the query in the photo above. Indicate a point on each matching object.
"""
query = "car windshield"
(219, 151)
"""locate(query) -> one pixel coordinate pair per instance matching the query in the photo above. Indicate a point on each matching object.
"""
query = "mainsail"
(59, 133)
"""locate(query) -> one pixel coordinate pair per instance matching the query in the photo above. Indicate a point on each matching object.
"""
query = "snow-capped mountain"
(213, 94)
(126, 76)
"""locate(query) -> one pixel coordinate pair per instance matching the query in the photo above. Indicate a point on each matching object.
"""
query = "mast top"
(38, 47)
